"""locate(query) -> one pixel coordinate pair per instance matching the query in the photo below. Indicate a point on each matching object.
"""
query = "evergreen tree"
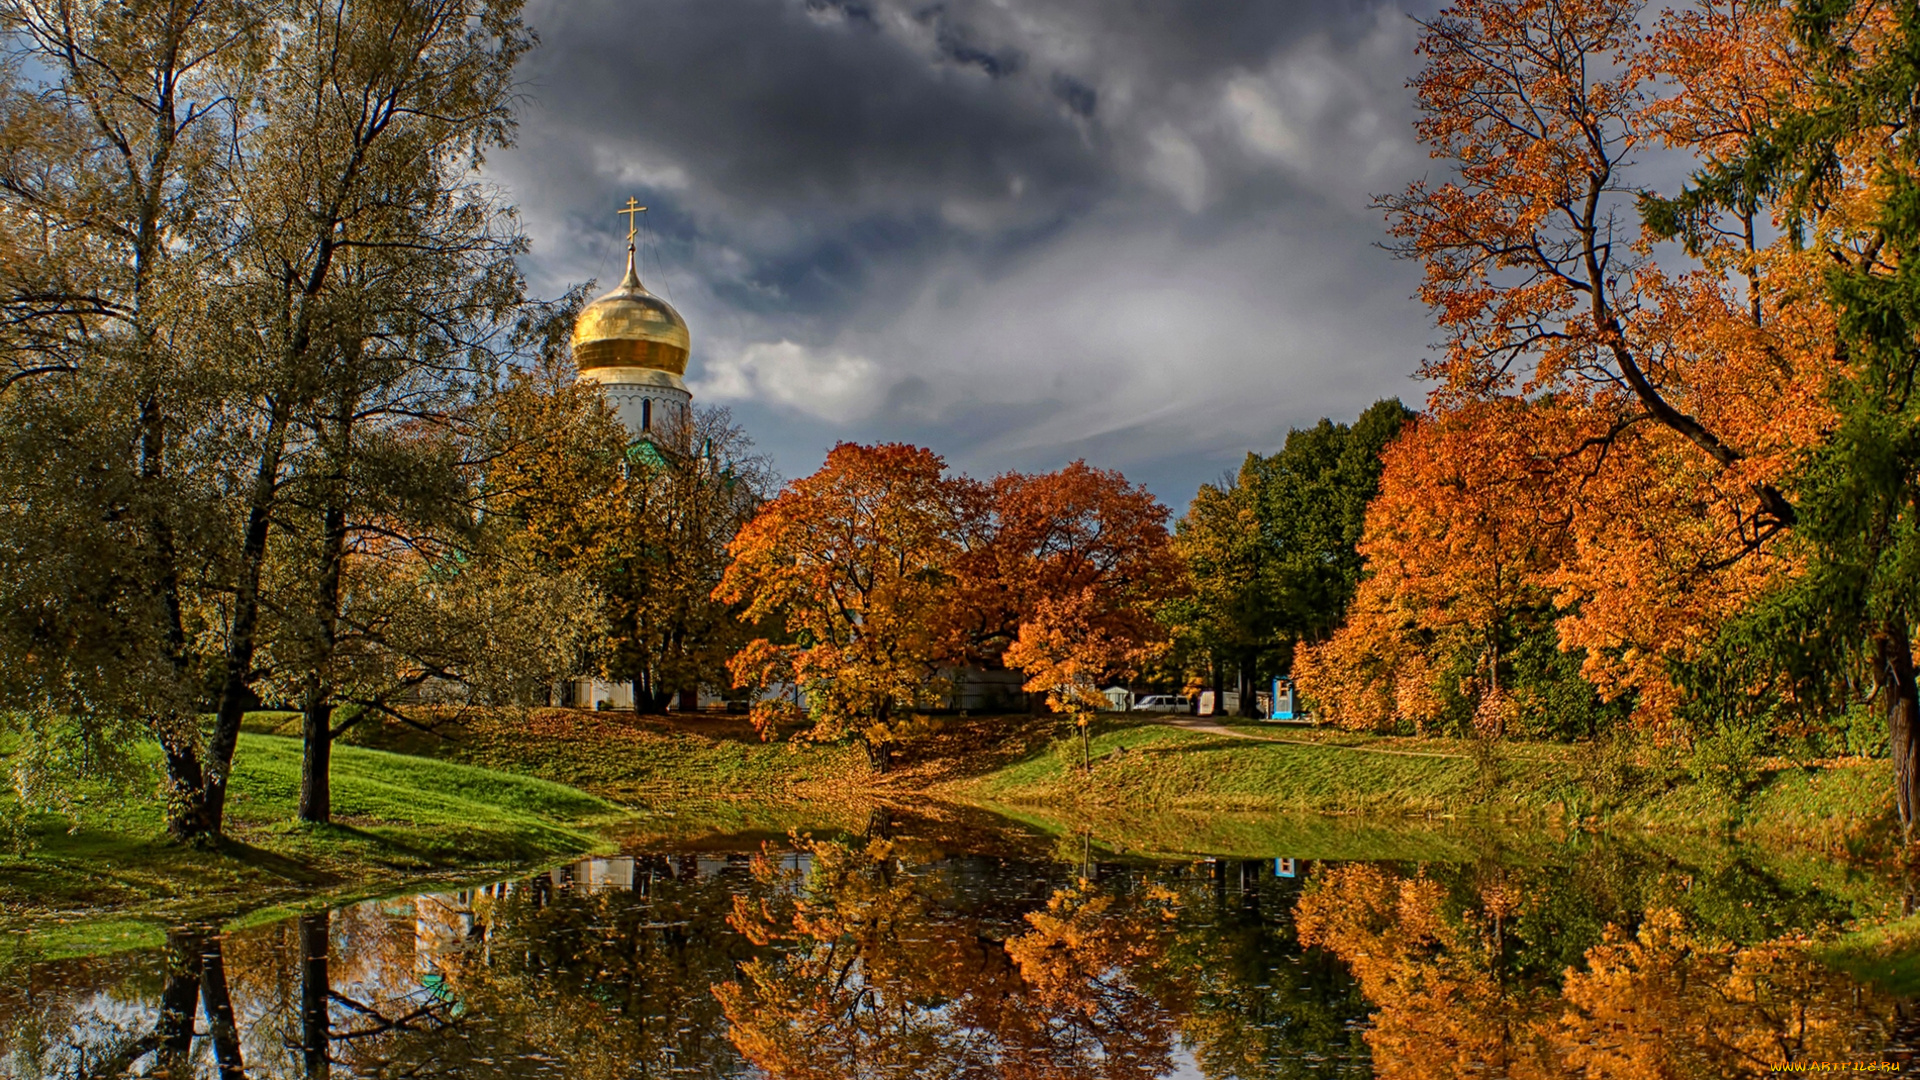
(1271, 553)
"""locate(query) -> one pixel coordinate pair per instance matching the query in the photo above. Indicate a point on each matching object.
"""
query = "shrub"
(1728, 759)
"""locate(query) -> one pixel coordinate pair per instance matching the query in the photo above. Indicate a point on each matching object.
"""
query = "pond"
(1004, 954)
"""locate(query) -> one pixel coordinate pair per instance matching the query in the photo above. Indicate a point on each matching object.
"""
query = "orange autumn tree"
(1662, 406)
(855, 567)
(881, 572)
(1082, 558)
(1456, 544)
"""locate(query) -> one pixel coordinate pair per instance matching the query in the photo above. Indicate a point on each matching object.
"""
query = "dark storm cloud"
(1015, 231)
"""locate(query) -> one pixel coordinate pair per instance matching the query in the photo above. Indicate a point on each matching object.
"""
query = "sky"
(1019, 232)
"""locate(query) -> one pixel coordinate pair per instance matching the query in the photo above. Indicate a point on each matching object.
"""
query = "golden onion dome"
(630, 328)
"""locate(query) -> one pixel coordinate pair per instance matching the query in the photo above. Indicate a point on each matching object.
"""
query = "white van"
(1163, 703)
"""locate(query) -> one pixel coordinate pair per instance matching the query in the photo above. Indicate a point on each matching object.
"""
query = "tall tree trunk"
(316, 758)
(205, 813)
(148, 175)
(1249, 697)
(316, 730)
(879, 754)
(689, 699)
(242, 635)
(315, 932)
(646, 688)
(179, 738)
(1219, 687)
(1897, 688)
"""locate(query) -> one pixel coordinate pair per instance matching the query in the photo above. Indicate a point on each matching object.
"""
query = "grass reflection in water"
(890, 958)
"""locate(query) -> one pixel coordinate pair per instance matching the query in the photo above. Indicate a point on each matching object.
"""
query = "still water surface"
(890, 956)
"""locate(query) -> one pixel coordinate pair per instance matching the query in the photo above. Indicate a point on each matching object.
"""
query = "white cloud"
(1322, 111)
(826, 384)
(644, 170)
(1175, 165)
(1147, 239)
(1120, 340)
(1259, 121)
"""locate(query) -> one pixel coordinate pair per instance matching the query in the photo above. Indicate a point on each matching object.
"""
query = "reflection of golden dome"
(630, 328)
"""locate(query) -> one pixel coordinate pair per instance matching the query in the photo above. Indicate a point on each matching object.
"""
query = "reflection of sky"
(1184, 1067)
(103, 1022)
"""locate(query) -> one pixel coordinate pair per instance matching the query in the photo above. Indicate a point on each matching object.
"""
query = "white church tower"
(634, 346)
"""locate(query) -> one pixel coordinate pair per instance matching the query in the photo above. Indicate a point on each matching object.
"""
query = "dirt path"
(1212, 727)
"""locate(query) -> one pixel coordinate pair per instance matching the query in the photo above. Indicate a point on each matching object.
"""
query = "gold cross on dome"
(633, 208)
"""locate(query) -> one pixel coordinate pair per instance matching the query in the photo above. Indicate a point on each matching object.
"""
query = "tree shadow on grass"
(973, 746)
(715, 727)
(282, 866)
(1169, 748)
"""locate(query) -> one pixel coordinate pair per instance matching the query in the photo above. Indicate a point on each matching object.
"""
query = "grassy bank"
(1838, 806)
(1887, 955)
(491, 793)
(398, 820)
(1020, 767)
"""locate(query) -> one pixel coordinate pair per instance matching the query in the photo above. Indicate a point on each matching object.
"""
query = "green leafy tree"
(1271, 554)
(1227, 613)
(1844, 164)
(255, 210)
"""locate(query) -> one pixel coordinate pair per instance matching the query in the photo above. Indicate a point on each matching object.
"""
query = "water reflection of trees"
(559, 978)
(885, 965)
(548, 977)
(883, 969)
(62, 1034)
(1257, 1004)
(1446, 965)
(886, 959)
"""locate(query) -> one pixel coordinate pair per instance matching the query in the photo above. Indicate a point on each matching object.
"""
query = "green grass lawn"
(1138, 763)
(1021, 763)
(1146, 763)
(114, 878)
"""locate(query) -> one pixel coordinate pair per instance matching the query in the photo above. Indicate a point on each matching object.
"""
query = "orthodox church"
(633, 345)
